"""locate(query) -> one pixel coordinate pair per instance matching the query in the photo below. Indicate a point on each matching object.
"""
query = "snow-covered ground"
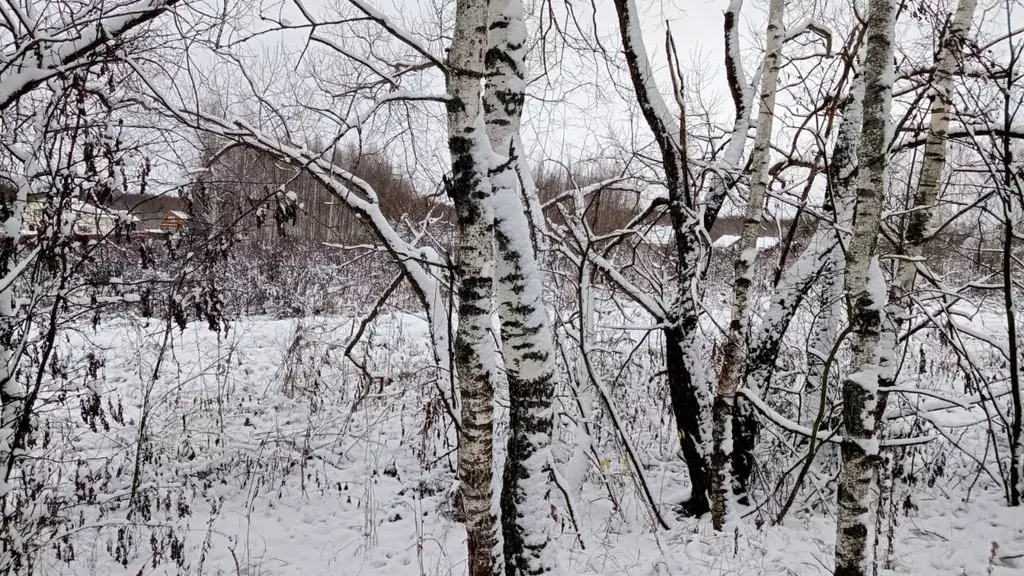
(271, 456)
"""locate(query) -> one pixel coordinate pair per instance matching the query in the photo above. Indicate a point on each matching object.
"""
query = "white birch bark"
(763, 344)
(734, 352)
(822, 260)
(11, 395)
(526, 337)
(822, 337)
(922, 206)
(744, 425)
(743, 99)
(842, 172)
(474, 359)
(865, 289)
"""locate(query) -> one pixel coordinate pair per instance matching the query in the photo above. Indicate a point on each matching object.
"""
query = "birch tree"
(734, 350)
(922, 207)
(470, 191)
(824, 254)
(841, 177)
(526, 336)
(693, 212)
(495, 259)
(865, 289)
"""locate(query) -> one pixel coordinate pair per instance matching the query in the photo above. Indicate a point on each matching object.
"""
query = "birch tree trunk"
(865, 289)
(841, 174)
(687, 380)
(526, 337)
(10, 269)
(745, 426)
(822, 259)
(474, 356)
(734, 352)
(822, 337)
(922, 207)
(743, 99)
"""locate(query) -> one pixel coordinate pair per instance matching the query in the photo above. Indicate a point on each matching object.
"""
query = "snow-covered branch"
(50, 51)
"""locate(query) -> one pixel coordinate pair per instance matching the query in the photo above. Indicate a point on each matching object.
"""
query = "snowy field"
(266, 453)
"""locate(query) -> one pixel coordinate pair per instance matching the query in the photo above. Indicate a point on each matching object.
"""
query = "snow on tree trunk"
(474, 357)
(820, 259)
(526, 337)
(865, 289)
(690, 411)
(743, 100)
(734, 350)
(922, 207)
(745, 425)
(10, 269)
(842, 172)
(687, 380)
(822, 336)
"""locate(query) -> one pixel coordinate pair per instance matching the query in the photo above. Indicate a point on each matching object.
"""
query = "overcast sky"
(574, 109)
(578, 105)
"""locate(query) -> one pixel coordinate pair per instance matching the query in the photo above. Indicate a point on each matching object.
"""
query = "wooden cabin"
(174, 221)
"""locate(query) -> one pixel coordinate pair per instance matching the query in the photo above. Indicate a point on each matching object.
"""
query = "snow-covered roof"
(725, 241)
(763, 243)
(86, 218)
(178, 214)
(663, 236)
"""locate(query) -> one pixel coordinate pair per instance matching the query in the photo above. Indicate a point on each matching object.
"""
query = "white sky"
(580, 108)
(602, 111)
(573, 111)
